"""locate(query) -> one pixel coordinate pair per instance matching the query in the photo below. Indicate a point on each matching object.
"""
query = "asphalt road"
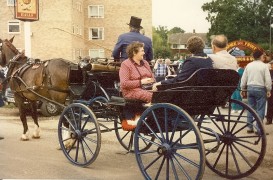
(40, 159)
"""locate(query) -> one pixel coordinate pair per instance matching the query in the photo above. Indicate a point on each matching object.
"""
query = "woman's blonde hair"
(133, 48)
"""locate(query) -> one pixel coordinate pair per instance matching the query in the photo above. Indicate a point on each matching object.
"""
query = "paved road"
(40, 159)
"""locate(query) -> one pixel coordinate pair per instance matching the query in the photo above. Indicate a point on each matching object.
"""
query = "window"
(76, 29)
(94, 53)
(175, 46)
(96, 33)
(14, 27)
(78, 6)
(96, 11)
(10, 2)
(76, 53)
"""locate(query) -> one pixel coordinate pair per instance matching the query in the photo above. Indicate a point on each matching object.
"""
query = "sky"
(186, 14)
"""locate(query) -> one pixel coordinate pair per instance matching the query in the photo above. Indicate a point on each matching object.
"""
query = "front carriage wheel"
(231, 152)
(177, 151)
(79, 134)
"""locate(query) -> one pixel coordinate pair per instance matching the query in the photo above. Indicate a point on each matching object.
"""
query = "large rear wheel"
(177, 151)
(231, 151)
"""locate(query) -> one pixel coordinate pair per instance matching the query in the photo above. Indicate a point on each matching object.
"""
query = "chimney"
(193, 31)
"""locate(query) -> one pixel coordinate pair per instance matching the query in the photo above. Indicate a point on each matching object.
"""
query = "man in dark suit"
(119, 52)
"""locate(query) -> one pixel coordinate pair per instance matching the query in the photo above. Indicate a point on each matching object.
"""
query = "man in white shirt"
(221, 58)
(256, 82)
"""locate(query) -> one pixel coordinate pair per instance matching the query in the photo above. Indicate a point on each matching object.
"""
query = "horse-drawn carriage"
(184, 128)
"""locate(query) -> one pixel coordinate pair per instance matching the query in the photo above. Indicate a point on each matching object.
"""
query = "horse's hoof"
(59, 148)
(36, 137)
(22, 139)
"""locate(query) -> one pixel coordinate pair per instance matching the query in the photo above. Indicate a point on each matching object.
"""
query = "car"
(46, 108)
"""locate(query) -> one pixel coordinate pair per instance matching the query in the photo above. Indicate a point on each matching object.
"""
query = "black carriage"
(184, 128)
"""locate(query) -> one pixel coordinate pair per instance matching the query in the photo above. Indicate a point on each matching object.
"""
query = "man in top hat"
(119, 52)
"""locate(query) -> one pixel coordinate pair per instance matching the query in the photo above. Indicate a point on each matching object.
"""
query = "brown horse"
(45, 80)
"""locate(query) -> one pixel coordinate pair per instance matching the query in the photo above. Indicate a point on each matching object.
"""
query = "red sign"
(241, 44)
(27, 10)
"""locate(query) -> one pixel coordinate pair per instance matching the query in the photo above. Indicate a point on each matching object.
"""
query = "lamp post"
(179, 46)
(271, 26)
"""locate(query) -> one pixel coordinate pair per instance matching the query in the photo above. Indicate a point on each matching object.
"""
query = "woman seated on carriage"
(134, 73)
(197, 61)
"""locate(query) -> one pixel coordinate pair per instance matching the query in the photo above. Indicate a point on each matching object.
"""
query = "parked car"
(47, 108)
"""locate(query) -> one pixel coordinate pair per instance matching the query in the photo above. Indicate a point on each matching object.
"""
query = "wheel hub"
(228, 138)
(164, 149)
(77, 134)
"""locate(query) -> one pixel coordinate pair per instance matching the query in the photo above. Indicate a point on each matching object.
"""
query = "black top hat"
(135, 22)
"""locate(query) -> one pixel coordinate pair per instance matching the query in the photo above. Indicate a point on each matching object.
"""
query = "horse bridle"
(3, 58)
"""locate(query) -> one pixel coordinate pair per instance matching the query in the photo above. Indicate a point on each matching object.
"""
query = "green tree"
(160, 43)
(240, 19)
(176, 30)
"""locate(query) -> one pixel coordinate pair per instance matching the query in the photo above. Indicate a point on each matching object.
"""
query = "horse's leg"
(22, 112)
(34, 114)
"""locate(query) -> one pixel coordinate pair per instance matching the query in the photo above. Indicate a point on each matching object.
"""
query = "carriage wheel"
(79, 134)
(238, 153)
(126, 138)
(177, 151)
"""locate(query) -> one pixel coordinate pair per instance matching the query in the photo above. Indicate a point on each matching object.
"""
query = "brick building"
(72, 28)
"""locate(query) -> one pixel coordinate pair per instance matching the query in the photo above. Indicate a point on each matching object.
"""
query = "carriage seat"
(76, 80)
(201, 92)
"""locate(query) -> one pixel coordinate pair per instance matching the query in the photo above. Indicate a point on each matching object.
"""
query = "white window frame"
(76, 53)
(100, 53)
(76, 29)
(78, 6)
(99, 11)
(100, 35)
(14, 23)
(10, 2)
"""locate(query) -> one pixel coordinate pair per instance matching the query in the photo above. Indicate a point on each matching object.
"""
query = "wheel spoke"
(218, 127)
(91, 140)
(160, 167)
(181, 137)
(87, 118)
(227, 154)
(235, 160)
(151, 131)
(181, 168)
(219, 155)
(158, 126)
(77, 152)
(187, 160)
(89, 149)
(246, 147)
(70, 123)
(166, 125)
(174, 128)
(148, 140)
(83, 152)
(151, 163)
(241, 154)
(173, 168)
